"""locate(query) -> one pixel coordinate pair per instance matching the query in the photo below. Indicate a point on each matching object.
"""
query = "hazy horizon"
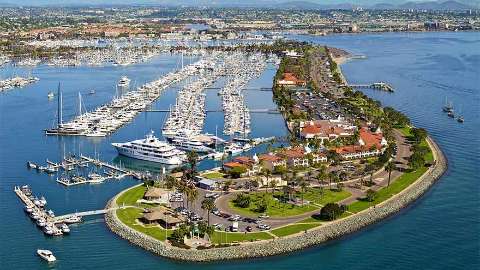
(265, 3)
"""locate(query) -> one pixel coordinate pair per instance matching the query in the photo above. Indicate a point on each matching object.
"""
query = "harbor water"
(439, 231)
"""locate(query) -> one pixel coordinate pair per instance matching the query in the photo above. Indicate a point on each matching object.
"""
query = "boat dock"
(62, 218)
(73, 163)
(377, 85)
(50, 224)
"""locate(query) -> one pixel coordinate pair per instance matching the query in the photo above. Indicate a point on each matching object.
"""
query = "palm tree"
(170, 182)
(192, 195)
(303, 185)
(331, 178)
(390, 167)
(208, 204)
(273, 185)
(192, 158)
(267, 173)
(370, 169)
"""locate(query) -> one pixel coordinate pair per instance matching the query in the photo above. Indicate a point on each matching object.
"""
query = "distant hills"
(431, 5)
(280, 4)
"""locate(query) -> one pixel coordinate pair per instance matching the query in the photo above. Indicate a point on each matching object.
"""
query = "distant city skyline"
(260, 3)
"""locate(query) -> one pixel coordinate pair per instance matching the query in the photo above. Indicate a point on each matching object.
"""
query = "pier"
(273, 111)
(377, 85)
(62, 218)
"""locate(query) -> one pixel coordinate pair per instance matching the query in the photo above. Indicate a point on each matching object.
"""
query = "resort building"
(271, 160)
(326, 129)
(370, 144)
(289, 79)
(302, 157)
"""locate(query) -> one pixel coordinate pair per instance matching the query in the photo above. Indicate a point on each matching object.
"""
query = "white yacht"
(190, 144)
(124, 82)
(151, 149)
(46, 254)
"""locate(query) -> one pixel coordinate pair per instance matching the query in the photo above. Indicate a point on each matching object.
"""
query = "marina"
(106, 119)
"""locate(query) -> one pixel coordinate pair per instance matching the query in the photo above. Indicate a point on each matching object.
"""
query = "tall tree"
(390, 167)
(208, 204)
(192, 158)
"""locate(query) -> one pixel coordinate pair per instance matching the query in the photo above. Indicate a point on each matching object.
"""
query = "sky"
(203, 2)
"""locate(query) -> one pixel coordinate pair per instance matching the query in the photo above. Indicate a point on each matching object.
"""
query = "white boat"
(124, 81)
(233, 149)
(41, 222)
(42, 201)
(48, 230)
(73, 219)
(151, 149)
(28, 209)
(46, 254)
(64, 227)
(50, 95)
(95, 178)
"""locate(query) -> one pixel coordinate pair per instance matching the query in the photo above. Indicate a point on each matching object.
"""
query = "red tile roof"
(371, 139)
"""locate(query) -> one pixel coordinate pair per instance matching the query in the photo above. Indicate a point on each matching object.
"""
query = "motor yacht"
(151, 149)
(46, 254)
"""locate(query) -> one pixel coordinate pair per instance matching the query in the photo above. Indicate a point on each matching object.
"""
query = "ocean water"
(439, 231)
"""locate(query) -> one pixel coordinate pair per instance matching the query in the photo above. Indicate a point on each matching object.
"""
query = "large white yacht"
(151, 149)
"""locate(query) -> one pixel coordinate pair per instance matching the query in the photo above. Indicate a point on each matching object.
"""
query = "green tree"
(208, 204)
(390, 167)
(170, 182)
(370, 195)
(192, 158)
(267, 173)
(331, 211)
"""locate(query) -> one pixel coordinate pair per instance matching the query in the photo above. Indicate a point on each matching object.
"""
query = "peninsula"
(347, 162)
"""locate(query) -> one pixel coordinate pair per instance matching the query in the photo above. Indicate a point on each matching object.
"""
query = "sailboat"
(448, 107)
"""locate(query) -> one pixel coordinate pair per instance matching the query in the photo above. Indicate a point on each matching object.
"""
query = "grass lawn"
(309, 220)
(327, 196)
(128, 217)
(295, 228)
(275, 208)
(229, 237)
(213, 175)
(383, 194)
(131, 196)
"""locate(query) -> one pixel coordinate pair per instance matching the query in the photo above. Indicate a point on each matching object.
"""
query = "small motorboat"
(73, 219)
(92, 92)
(42, 201)
(50, 95)
(46, 254)
(34, 216)
(460, 119)
(48, 230)
(28, 209)
(31, 165)
(64, 227)
(41, 222)
(51, 213)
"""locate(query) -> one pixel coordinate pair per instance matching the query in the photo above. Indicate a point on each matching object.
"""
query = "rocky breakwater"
(291, 243)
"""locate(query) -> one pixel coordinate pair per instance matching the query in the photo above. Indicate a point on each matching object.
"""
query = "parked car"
(248, 229)
(264, 216)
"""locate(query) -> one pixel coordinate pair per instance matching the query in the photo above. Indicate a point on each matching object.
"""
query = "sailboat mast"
(60, 105)
(79, 104)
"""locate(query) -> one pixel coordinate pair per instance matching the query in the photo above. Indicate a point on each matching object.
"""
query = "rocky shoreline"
(291, 243)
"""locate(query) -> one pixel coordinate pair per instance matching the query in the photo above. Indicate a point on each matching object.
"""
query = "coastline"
(318, 235)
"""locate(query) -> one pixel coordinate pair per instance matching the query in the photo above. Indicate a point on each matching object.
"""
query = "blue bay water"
(439, 231)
